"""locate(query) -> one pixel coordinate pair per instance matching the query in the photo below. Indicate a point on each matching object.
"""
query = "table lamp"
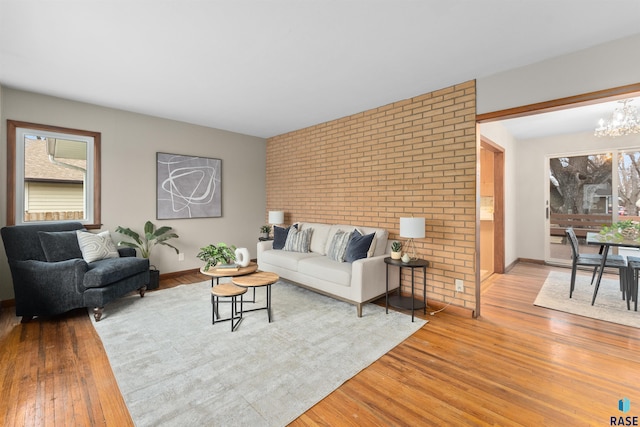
(412, 228)
(276, 217)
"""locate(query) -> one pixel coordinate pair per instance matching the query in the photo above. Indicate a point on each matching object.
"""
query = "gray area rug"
(609, 305)
(175, 368)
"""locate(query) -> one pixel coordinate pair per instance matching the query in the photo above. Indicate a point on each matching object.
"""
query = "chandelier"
(624, 121)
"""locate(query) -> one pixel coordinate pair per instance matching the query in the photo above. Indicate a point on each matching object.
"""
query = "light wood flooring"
(516, 365)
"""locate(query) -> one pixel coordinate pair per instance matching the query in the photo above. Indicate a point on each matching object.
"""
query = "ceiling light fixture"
(624, 121)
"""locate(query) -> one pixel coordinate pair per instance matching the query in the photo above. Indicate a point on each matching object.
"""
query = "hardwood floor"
(516, 365)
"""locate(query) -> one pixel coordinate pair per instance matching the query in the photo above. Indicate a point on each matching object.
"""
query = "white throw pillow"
(95, 247)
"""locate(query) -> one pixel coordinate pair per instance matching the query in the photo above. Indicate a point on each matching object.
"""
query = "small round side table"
(407, 303)
(217, 273)
(227, 290)
(257, 280)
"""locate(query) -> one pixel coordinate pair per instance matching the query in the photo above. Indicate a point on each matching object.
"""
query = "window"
(589, 190)
(53, 174)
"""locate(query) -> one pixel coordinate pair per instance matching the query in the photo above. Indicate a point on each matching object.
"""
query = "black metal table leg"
(268, 302)
(386, 294)
(424, 289)
(413, 299)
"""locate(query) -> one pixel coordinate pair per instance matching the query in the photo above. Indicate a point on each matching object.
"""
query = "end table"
(407, 303)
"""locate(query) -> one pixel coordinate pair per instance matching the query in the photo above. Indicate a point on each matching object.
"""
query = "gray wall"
(129, 145)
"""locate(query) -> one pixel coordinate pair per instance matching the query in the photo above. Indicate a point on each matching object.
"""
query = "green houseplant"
(151, 237)
(265, 230)
(146, 241)
(396, 250)
(626, 229)
(218, 254)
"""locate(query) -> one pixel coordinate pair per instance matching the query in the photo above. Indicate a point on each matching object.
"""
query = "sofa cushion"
(59, 245)
(285, 259)
(358, 246)
(323, 268)
(318, 237)
(338, 246)
(106, 271)
(298, 241)
(95, 247)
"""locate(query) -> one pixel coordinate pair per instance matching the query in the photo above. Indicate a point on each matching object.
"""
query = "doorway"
(491, 209)
(532, 111)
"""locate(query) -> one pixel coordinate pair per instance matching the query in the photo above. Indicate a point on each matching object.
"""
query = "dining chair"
(595, 261)
(632, 281)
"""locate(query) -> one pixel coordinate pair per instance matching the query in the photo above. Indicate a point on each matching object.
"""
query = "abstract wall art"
(188, 186)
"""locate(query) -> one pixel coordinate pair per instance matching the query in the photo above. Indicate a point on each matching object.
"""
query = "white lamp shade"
(276, 217)
(412, 228)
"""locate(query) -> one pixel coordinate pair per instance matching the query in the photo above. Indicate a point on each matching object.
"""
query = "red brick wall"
(415, 157)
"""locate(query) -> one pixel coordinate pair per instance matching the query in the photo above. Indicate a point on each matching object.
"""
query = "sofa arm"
(47, 287)
(368, 276)
(264, 246)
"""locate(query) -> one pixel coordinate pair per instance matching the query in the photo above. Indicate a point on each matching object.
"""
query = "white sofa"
(356, 282)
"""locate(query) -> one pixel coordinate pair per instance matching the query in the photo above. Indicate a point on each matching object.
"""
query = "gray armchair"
(50, 276)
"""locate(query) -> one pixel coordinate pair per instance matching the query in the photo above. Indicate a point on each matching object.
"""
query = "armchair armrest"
(47, 287)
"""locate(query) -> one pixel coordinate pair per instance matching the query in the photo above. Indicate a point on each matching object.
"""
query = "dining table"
(606, 242)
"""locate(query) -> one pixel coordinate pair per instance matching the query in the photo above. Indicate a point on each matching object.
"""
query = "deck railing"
(582, 223)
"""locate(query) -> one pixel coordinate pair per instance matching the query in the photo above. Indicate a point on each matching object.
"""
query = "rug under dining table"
(609, 305)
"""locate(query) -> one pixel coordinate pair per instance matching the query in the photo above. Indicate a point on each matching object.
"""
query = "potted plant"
(264, 231)
(396, 250)
(146, 241)
(626, 229)
(217, 255)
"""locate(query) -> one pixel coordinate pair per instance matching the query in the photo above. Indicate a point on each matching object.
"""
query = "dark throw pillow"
(59, 245)
(280, 237)
(358, 246)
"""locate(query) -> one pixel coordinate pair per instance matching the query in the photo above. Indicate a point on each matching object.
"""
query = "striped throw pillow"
(298, 241)
(338, 245)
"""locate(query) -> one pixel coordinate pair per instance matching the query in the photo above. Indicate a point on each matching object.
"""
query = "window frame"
(14, 187)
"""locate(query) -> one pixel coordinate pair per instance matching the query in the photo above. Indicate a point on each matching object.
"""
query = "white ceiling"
(265, 67)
